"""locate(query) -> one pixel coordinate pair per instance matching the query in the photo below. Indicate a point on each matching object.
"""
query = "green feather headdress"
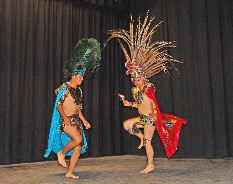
(85, 58)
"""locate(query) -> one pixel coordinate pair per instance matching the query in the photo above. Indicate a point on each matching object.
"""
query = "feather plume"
(142, 55)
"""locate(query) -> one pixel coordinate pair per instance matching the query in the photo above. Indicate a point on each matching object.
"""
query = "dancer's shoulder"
(62, 86)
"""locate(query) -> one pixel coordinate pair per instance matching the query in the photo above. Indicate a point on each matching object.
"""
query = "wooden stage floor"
(121, 170)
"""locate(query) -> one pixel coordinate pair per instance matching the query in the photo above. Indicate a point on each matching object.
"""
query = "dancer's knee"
(77, 141)
(126, 125)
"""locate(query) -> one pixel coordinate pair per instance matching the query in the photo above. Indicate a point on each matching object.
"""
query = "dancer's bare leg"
(148, 135)
(128, 125)
(76, 140)
(73, 162)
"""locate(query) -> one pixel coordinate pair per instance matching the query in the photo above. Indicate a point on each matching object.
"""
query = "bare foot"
(71, 175)
(148, 169)
(140, 145)
(61, 159)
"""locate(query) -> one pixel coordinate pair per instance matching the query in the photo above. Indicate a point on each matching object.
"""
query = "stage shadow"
(83, 174)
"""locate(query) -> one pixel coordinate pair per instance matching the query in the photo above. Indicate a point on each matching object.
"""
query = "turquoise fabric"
(57, 140)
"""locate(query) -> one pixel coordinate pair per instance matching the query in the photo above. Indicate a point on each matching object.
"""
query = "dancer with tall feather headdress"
(144, 59)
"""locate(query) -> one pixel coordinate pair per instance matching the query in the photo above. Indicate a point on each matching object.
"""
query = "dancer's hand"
(122, 97)
(87, 124)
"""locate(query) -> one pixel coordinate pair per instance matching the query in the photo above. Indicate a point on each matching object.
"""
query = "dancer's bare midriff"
(146, 107)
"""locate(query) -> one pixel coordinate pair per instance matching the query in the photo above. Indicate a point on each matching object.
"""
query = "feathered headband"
(144, 58)
(85, 58)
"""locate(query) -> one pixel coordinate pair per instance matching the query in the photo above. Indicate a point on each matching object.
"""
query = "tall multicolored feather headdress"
(85, 58)
(144, 58)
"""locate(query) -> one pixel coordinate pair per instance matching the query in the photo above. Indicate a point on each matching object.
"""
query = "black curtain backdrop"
(37, 37)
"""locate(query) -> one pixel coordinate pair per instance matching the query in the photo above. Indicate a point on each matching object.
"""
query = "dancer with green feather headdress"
(66, 137)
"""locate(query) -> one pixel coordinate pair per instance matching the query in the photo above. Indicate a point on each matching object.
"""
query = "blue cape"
(57, 139)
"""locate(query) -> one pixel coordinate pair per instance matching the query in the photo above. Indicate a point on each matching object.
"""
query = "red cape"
(168, 126)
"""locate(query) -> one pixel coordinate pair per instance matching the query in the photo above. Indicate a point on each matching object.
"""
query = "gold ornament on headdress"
(143, 57)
